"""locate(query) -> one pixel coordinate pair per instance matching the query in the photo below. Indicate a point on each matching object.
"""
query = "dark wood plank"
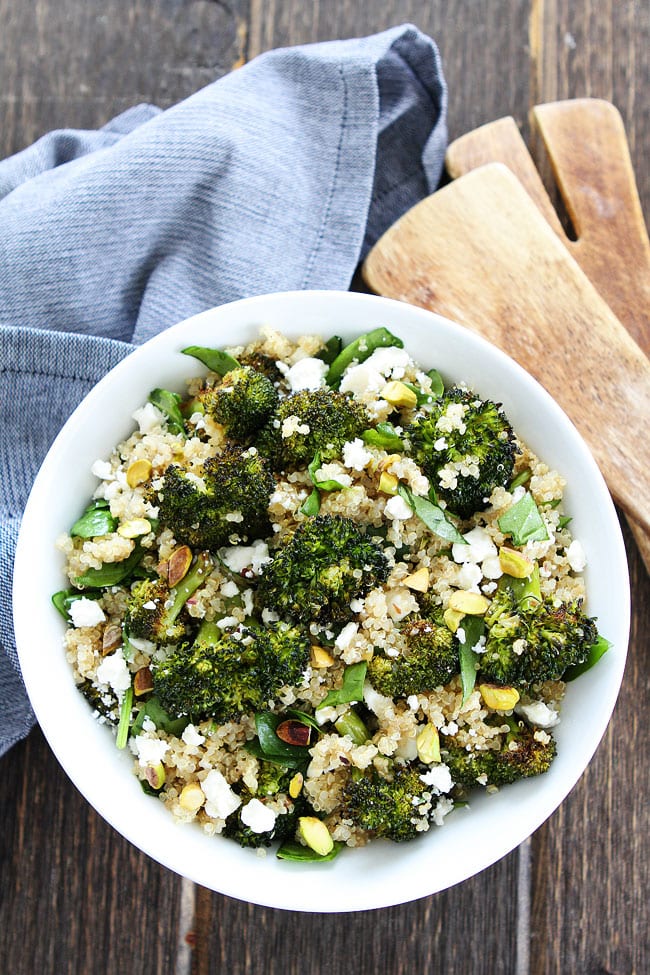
(75, 897)
(69, 63)
(591, 860)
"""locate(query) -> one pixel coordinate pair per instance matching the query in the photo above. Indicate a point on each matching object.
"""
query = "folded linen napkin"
(109, 237)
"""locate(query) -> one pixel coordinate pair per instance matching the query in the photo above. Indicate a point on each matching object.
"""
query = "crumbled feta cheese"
(240, 557)
(148, 724)
(229, 589)
(258, 817)
(469, 576)
(439, 778)
(226, 622)
(269, 616)
(576, 556)
(114, 672)
(346, 636)
(86, 612)
(357, 605)
(443, 807)
(375, 701)
(333, 472)
(291, 424)
(539, 713)
(148, 417)
(491, 567)
(413, 702)
(150, 751)
(370, 376)
(221, 800)
(103, 470)
(191, 736)
(355, 455)
(397, 508)
(478, 548)
(307, 373)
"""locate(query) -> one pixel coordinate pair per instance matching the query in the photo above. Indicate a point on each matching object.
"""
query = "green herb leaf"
(216, 360)
(360, 350)
(469, 632)
(169, 403)
(153, 709)
(563, 521)
(596, 651)
(311, 506)
(96, 520)
(332, 348)
(125, 718)
(112, 573)
(384, 436)
(523, 521)
(432, 515)
(291, 850)
(351, 690)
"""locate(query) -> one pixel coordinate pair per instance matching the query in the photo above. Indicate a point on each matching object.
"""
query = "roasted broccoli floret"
(224, 674)
(519, 756)
(230, 496)
(308, 422)
(533, 642)
(264, 364)
(325, 564)
(430, 661)
(466, 447)
(153, 609)
(242, 402)
(390, 808)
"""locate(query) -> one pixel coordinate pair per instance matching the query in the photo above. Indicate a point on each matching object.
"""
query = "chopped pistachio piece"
(321, 658)
(515, 564)
(134, 528)
(316, 835)
(452, 619)
(428, 744)
(388, 483)
(192, 797)
(469, 603)
(499, 698)
(418, 580)
(138, 472)
(398, 394)
(295, 786)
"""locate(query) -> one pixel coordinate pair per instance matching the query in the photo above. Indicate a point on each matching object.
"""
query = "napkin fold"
(278, 176)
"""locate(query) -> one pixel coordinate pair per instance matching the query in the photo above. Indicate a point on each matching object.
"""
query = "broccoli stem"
(359, 351)
(350, 724)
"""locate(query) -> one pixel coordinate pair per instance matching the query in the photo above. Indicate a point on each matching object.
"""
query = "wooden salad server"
(587, 148)
(479, 251)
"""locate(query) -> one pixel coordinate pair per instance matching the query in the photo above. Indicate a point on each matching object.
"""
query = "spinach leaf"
(153, 709)
(332, 348)
(384, 436)
(169, 403)
(351, 689)
(523, 521)
(432, 515)
(360, 350)
(63, 599)
(112, 573)
(596, 651)
(470, 630)
(291, 850)
(273, 747)
(96, 520)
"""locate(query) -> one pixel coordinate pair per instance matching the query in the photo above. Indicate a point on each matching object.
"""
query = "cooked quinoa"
(208, 771)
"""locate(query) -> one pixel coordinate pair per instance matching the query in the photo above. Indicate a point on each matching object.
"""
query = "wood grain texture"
(75, 898)
(478, 251)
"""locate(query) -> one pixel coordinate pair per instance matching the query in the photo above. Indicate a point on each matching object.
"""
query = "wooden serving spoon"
(480, 252)
(587, 147)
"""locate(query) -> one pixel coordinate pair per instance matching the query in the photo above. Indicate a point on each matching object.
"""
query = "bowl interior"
(382, 873)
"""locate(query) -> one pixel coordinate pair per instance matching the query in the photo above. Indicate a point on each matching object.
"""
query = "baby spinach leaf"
(469, 632)
(384, 436)
(266, 724)
(351, 689)
(596, 651)
(523, 521)
(291, 850)
(332, 348)
(96, 520)
(111, 573)
(432, 515)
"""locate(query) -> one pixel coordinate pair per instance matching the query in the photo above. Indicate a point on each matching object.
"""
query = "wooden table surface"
(74, 896)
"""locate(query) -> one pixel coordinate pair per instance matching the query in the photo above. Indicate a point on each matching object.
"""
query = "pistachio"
(138, 472)
(321, 658)
(388, 483)
(295, 786)
(134, 528)
(452, 619)
(155, 775)
(418, 580)
(515, 564)
(192, 797)
(468, 603)
(316, 835)
(177, 565)
(398, 394)
(293, 732)
(111, 638)
(142, 681)
(499, 698)
(428, 744)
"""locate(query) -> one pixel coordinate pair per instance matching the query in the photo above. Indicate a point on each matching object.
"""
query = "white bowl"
(382, 873)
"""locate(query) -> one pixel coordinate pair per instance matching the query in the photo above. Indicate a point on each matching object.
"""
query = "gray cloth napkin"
(278, 176)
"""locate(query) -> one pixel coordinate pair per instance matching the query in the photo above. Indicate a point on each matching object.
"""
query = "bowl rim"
(282, 892)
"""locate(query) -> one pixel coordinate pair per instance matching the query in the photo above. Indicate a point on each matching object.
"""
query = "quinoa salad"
(322, 594)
